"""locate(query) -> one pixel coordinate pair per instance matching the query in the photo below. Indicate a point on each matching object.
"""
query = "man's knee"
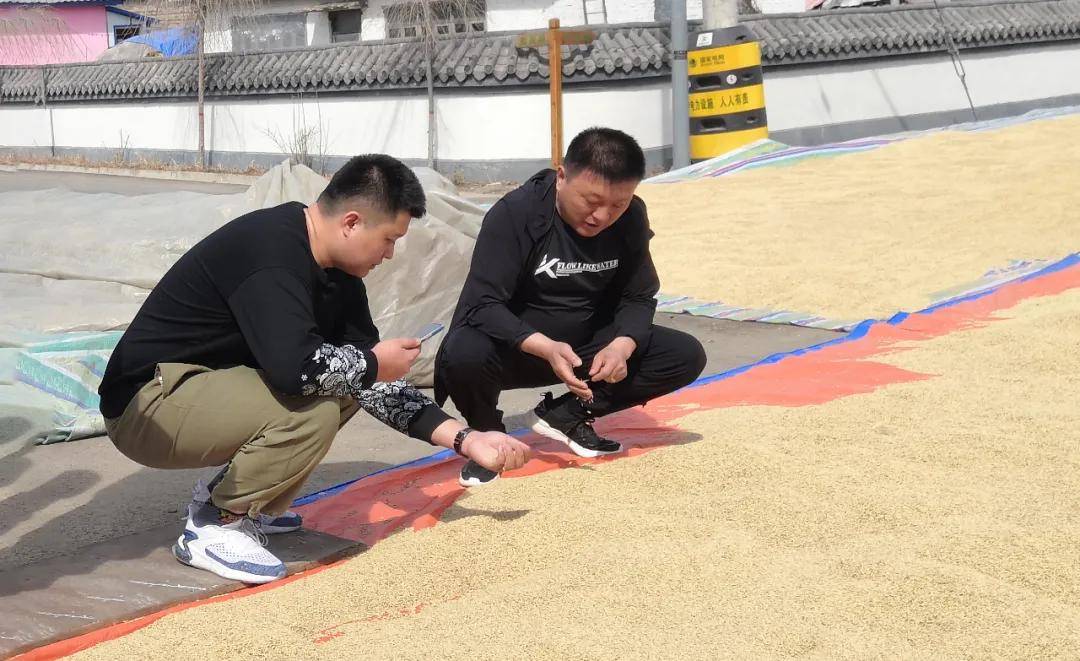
(315, 419)
(685, 353)
(695, 358)
(467, 353)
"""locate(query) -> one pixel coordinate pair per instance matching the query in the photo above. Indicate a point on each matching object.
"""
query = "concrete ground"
(106, 183)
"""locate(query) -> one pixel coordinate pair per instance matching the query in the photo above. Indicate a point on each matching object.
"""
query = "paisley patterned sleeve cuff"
(398, 404)
(334, 371)
(347, 371)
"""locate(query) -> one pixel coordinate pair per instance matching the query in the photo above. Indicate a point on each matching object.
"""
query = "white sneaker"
(269, 525)
(231, 550)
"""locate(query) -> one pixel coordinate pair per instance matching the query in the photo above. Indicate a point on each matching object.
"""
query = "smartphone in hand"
(429, 331)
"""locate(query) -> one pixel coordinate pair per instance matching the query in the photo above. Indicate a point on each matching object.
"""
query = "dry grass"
(138, 163)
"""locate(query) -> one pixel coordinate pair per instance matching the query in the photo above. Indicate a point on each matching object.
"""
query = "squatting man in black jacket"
(561, 289)
(257, 346)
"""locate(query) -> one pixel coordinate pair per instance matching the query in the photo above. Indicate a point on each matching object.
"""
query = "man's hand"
(495, 451)
(395, 357)
(562, 359)
(609, 365)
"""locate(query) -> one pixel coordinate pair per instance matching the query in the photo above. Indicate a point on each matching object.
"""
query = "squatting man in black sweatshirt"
(561, 289)
(254, 349)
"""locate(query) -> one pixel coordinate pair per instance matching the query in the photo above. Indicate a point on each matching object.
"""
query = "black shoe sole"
(544, 429)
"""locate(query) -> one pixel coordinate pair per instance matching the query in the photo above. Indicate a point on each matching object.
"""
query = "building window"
(269, 32)
(345, 25)
(448, 17)
(122, 33)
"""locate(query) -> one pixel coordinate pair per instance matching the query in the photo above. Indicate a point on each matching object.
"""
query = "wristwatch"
(459, 438)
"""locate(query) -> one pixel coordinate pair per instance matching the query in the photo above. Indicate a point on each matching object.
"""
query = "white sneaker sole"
(546, 430)
(200, 561)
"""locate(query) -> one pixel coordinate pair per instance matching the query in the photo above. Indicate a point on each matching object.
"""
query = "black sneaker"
(568, 421)
(474, 475)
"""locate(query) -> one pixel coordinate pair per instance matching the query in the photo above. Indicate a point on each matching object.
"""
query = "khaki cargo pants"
(192, 416)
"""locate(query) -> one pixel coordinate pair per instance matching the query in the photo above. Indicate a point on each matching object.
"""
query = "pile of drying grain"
(931, 519)
(865, 235)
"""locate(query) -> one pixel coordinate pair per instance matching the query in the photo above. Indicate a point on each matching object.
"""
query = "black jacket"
(506, 247)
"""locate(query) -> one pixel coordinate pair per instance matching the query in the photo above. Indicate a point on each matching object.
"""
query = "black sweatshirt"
(252, 294)
(532, 273)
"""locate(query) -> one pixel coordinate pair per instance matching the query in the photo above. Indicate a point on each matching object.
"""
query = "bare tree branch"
(216, 16)
(429, 21)
(306, 144)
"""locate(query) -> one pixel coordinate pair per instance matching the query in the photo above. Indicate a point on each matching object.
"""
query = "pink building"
(55, 31)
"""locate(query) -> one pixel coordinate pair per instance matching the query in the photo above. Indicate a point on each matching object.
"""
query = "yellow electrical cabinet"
(727, 97)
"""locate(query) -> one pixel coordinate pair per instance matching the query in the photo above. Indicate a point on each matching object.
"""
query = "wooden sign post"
(554, 44)
(554, 38)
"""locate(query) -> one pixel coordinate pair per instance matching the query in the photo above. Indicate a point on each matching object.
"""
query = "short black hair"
(382, 181)
(609, 153)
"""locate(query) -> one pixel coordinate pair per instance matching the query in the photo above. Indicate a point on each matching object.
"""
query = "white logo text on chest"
(554, 268)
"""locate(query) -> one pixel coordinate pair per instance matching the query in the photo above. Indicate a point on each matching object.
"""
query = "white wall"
(781, 6)
(219, 36)
(523, 120)
(838, 92)
(515, 125)
(318, 28)
(108, 126)
(373, 22)
(503, 15)
(219, 41)
(316, 24)
(631, 11)
(525, 15)
(24, 126)
(487, 126)
(347, 125)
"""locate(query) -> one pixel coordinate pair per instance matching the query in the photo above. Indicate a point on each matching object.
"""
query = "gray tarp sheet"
(74, 268)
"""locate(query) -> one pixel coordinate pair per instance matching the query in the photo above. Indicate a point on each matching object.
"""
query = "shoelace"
(251, 528)
(589, 417)
(585, 428)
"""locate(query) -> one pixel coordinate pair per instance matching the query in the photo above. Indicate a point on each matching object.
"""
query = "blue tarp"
(171, 42)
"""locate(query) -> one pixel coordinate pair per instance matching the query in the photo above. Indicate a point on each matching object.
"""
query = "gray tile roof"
(620, 52)
(59, 2)
(878, 31)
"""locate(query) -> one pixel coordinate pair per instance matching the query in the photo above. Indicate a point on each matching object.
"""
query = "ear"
(350, 222)
(560, 177)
